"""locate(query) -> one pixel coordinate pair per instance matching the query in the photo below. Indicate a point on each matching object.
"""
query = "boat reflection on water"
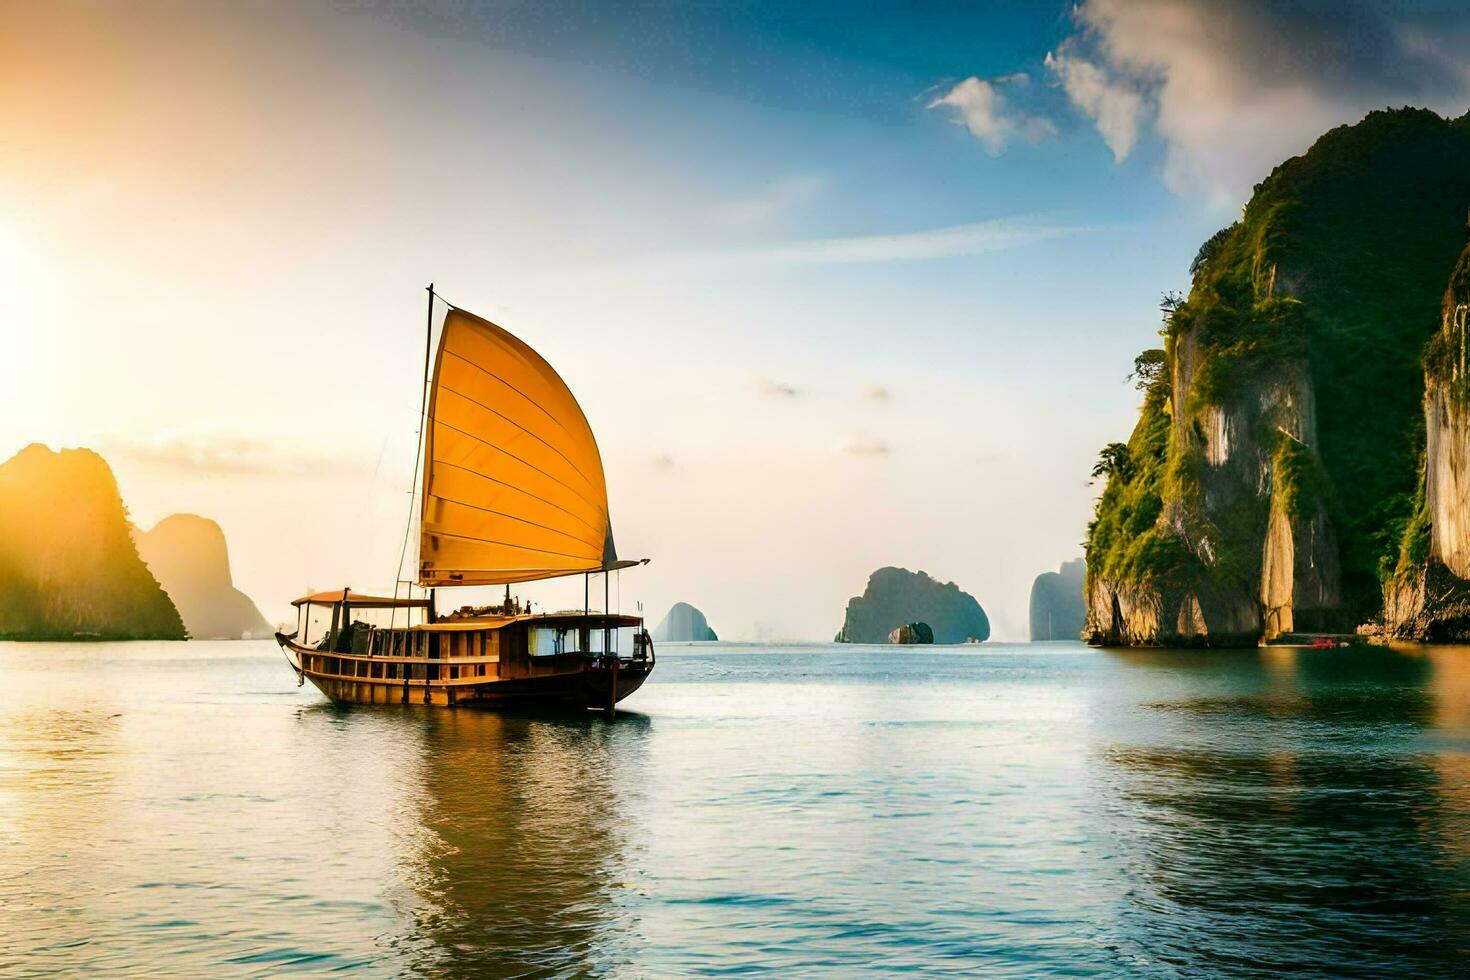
(1298, 812)
(526, 829)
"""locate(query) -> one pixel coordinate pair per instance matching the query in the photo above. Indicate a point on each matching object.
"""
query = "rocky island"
(188, 556)
(68, 565)
(1058, 611)
(897, 597)
(1428, 596)
(683, 624)
(1273, 481)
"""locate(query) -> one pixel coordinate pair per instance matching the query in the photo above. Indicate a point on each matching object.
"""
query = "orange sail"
(513, 484)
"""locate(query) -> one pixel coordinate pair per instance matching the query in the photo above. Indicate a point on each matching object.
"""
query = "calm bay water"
(1041, 810)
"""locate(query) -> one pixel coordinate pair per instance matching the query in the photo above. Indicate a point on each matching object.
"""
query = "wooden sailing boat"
(513, 491)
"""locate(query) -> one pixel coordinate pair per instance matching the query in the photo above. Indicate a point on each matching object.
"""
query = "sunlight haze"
(826, 307)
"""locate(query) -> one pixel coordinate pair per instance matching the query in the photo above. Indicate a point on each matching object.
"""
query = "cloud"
(1114, 105)
(663, 461)
(877, 393)
(777, 389)
(1231, 88)
(951, 241)
(775, 200)
(982, 106)
(220, 456)
(867, 447)
(936, 243)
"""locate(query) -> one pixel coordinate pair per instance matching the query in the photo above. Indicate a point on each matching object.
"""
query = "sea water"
(1015, 810)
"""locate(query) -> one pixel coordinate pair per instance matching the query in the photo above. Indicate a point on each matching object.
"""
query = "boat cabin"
(380, 649)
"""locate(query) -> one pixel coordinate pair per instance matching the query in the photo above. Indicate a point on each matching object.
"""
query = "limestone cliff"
(1273, 461)
(896, 597)
(1428, 597)
(1058, 610)
(188, 556)
(68, 567)
(683, 624)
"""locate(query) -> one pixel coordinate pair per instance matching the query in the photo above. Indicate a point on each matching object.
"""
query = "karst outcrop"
(1058, 611)
(1428, 595)
(1273, 472)
(68, 566)
(683, 624)
(188, 556)
(897, 597)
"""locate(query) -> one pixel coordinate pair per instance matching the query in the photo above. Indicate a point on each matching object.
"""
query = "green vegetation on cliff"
(68, 566)
(1125, 542)
(1297, 356)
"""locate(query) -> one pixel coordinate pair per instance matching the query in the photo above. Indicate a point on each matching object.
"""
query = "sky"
(838, 286)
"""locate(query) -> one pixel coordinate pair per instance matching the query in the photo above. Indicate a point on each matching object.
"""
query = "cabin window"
(454, 673)
(480, 670)
(550, 641)
(377, 670)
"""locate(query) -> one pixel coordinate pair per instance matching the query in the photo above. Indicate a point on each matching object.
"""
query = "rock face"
(1428, 596)
(68, 566)
(1273, 462)
(896, 597)
(910, 633)
(188, 556)
(683, 624)
(1058, 611)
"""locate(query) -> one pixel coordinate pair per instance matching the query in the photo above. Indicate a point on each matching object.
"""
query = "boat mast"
(418, 453)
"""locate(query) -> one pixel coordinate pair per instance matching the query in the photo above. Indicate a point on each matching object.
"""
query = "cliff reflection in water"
(522, 842)
(1303, 805)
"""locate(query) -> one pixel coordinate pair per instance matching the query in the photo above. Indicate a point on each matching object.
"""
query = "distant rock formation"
(1058, 610)
(911, 633)
(188, 556)
(896, 597)
(683, 624)
(68, 567)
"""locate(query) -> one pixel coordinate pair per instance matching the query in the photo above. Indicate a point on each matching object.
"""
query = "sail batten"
(518, 459)
(451, 391)
(513, 481)
(513, 488)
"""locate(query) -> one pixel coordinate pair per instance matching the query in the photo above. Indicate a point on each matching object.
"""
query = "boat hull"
(581, 690)
(572, 683)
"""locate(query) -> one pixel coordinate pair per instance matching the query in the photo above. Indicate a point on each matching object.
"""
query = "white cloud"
(779, 389)
(775, 200)
(867, 447)
(981, 106)
(1231, 88)
(934, 243)
(227, 456)
(910, 246)
(1113, 104)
